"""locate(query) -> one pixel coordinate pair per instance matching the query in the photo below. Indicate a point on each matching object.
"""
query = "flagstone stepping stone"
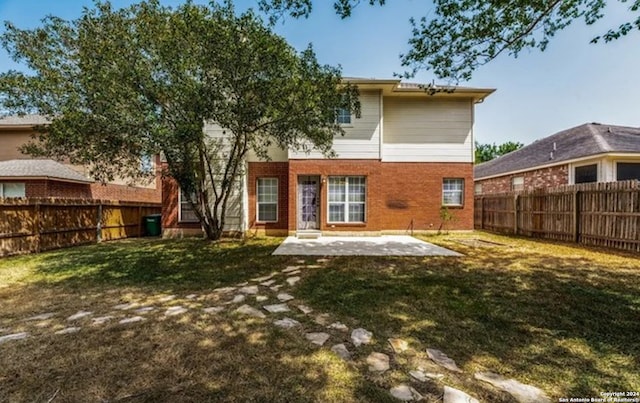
(132, 319)
(68, 330)
(441, 359)
(287, 323)
(167, 298)
(405, 393)
(213, 309)
(276, 287)
(289, 269)
(251, 311)
(361, 336)
(452, 395)
(284, 297)
(323, 260)
(145, 309)
(292, 280)
(305, 309)
(263, 278)
(242, 284)
(13, 336)
(251, 289)
(300, 261)
(237, 299)
(224, 290)
(101, 320)
(398, 345)
(42, 316)
(322, 319)
(192, 296)
(313, 266)
(277, 308)
(268, 283)
(521, 392)
(425, 376)
(339, 326)
(292, 273)
(378, 362)
(261, 298)
(126, 306)
(341, 351)
(175, 310)
(317, 338)
(79, 315)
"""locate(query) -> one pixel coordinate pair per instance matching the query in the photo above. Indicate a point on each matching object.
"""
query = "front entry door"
(308, 202)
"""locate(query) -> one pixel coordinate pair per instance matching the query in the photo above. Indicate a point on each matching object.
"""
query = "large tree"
(120, 84)
(458, 36)
(487, 152)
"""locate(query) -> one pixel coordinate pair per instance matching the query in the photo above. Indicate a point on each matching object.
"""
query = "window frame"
(461, 191)
(258, 202)
(24, 190)
(346, 203)
(591, 163)
(513, 184)
(147, 164)
(477, 188)
(180, 203)
(616, 162)
(343, 112)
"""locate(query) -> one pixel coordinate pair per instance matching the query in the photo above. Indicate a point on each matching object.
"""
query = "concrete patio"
(386, 245)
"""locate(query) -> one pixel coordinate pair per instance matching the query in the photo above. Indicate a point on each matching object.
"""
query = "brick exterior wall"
(534, 179)
(170, 190)
(279, 170)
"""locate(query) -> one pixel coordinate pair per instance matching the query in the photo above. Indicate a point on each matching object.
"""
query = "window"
(478, 188)
(146, 164)
(187, 213)
(267, 199)
(12, 189)
(586, 174)
(517, 183)
(628, 171)
(343, 116)
(347, 199)
(452, 192)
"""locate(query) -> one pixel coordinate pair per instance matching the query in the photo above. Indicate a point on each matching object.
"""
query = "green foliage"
(459, 36)
(118, 84)
(446, 216)
(487, 152)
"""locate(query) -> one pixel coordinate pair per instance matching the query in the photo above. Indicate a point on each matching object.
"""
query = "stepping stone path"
(261, 279)
(318, 338)
(14, 336)
(290, 269)
(424, 376)
(323, 260)
(322, 319)
(251, 289)
(339, 326)
(305, 309)
(79, 315)
(68, 330)
(287, 323)
(127, 306)
(405, 393)
(285, 297)
(101, 320)
(452, 395)
(175, 310)
(237, 299)
(378, 362)
(191, 296)
(132, 319)
(441, 359)
(361, 336)
(268, 283)
(145, 309)
(261, 298)
(213, 309)
(341, 351)
(398, 345)
(292, 280)
(521, 392)
(223, 290)
(42, 316)
(167, 298)
(277, 308)
(275, 288)
(248, 310)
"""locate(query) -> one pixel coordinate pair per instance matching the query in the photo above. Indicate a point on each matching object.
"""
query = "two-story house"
(408, 155)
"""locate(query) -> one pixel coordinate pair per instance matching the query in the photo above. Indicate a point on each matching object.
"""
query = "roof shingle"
(32, 168)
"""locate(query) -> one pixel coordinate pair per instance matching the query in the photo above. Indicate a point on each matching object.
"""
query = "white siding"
(427, 130)
(362, 137)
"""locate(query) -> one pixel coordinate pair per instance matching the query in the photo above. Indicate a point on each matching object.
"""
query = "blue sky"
(538, 94)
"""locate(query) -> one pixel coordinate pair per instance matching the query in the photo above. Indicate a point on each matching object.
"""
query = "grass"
(562, 318)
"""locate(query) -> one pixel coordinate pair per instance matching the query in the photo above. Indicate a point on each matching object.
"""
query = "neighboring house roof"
(578, 142)
(39, 169)
(25, 120)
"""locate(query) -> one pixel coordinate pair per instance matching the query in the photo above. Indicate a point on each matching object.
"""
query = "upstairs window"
(267, 198)
(12, 189)
(586, 174)
(343, 116)
(628, 171)
(146, 164)
(452, 192)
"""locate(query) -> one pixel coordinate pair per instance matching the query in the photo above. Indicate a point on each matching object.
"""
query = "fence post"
(576, 216)
(482, 212)
(99, 224)
(37, 227)
(515, 214)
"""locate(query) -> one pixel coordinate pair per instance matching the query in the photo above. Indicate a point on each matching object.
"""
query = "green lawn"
(562, 318)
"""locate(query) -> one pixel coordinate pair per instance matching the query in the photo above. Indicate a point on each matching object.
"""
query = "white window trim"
(180, 220)
(346, 202)
(513, 189)
(351, 116)
(276, 203)
(461, 193)
(623, 161)
(597, 163)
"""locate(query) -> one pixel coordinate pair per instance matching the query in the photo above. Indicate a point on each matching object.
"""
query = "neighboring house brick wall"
(170, 190)
(279, 170)
(534, 179)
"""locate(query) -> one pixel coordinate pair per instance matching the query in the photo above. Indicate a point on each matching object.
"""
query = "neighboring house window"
(347, 198)
(628, 171)
(267, 199)
(146, 164)
(12, 189)
(343, 116)
(517, 183)
(586, 174)
(187, 213)
(478, 188)
(452, 192)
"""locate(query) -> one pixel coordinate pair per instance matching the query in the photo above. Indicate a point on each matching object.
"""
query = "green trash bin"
(153, 225)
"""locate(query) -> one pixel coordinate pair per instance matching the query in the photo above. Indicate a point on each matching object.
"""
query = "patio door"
(308, 202)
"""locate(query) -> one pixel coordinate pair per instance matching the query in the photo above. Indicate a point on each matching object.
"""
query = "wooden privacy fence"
(599, 214)
(36, 224)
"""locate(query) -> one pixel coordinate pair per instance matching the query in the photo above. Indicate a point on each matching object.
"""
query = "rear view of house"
(592, 152)
(408, 155)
